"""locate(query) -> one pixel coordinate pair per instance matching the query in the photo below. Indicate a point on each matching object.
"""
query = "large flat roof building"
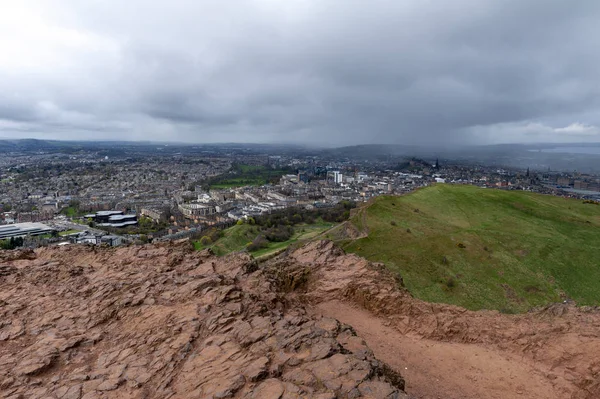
(113, 218)
(23, 229)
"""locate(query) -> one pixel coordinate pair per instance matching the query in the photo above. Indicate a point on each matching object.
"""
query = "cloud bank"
(326, 72)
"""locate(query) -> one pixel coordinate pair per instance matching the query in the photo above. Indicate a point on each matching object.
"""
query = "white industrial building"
(24, 229)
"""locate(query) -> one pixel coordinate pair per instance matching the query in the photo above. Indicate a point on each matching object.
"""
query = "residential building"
(194, 210)
(154, 214)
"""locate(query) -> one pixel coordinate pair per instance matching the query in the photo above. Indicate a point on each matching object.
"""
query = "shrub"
(206, 240)
(293, 216)
(258, 243)
(279, 233)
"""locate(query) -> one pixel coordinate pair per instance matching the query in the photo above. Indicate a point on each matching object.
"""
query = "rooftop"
(108, 213)
(22, 229)
(115, 218)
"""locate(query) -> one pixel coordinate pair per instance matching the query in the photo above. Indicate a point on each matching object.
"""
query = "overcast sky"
(329, 72)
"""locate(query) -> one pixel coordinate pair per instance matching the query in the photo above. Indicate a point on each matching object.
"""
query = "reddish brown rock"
(165, 321)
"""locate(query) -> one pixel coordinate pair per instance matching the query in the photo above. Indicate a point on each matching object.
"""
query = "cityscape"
(159, 192)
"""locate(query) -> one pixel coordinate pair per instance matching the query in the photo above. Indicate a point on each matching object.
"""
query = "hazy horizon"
(548, 145)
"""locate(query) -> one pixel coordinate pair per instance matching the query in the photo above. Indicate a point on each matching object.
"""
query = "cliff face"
(167, 322)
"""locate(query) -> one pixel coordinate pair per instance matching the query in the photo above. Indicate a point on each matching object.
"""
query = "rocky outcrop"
(167, 322)
(562, 340)
(164, 321)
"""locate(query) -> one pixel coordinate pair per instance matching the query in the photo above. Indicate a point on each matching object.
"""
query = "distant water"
(571, 150)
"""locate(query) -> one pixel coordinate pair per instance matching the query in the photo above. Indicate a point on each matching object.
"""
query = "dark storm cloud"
(330, 72)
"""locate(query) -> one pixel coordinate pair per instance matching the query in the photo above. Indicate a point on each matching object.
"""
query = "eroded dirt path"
(435, 369)
(446, 351)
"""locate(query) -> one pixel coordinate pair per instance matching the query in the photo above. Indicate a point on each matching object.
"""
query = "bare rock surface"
(167, 322)
(163, 321)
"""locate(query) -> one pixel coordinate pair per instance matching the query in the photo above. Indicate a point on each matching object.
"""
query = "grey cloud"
(16, 111)
(332, 72)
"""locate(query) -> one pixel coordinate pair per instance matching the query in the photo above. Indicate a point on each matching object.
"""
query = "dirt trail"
(435, 369)
(446, 351)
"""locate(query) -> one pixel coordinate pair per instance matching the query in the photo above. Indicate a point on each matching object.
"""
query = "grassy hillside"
(237, 237)
(484, 248)
(234, 239)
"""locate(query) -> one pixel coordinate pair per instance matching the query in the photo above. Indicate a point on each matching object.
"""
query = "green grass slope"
(234, 239)
(237, 237)
(484, 248)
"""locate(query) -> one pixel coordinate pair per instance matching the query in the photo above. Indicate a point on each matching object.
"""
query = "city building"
(113, 218)
(336, 176)
(85, 238)
(303, 176)
(24, 229)
(154, 214)
(112, 240)
(194, 210)
(120, 221)
(95, 239)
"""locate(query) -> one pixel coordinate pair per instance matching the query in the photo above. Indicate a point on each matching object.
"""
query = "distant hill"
(112, 147)
(484, 248)
(376, 151)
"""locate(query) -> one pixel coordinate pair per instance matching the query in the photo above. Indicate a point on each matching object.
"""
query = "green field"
(67, 232)
(246, 175)
(238, 182)
(236, 238)
(70, 211)
(485, 248)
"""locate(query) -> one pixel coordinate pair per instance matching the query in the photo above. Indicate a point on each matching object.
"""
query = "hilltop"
(165, 321)
(483, 248)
